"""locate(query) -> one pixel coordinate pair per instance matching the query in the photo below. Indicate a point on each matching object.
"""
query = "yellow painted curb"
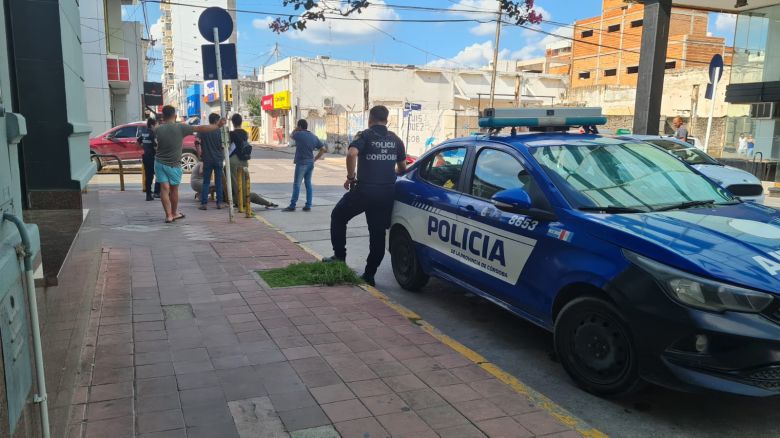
(513, 382)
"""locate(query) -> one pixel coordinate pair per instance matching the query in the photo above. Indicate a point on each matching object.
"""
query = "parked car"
(644, 269)
(122, 141)
(737, 181)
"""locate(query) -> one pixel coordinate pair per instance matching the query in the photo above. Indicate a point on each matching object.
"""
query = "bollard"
(247, 183)
(240, 189)
(143, 177)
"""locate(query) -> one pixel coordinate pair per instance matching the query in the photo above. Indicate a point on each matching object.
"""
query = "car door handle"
(468, 210)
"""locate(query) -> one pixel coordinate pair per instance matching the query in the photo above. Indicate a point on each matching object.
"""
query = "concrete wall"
(94, 49)
(355, 86)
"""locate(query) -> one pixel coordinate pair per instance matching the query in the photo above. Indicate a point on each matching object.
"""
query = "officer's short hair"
(168, 112)
(302, 124)
(213, 118)
(379, 114)
(237, 120)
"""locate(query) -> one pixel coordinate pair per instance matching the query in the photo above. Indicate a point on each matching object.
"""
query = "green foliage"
(255, 106)
(317, 273)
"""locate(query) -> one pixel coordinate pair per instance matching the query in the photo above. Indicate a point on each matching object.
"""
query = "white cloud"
(262, 23)
(485, 10)
(536, 45)
(156, 31)
(475, 55)
(483, 29)
(350, 30)
(725, 23)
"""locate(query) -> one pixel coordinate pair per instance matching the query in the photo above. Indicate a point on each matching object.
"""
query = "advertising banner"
(282, 100)
(267, 102)
(210, 91)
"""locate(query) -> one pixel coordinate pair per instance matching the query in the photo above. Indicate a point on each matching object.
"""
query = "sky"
(453, 44)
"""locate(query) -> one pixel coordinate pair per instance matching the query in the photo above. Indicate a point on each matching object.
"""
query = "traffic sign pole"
(715, 82)
(224, 129)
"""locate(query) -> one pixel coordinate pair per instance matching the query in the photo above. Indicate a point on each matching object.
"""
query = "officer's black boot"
(368, 278)
(333, 259)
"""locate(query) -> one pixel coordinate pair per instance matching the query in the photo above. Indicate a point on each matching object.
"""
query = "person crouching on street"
(149, 143)
(305, 145)
(379, 156)
(212, 155)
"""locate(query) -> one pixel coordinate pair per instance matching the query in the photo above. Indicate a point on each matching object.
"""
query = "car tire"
(406, 266)
(98, 162)
(595, 347)
(188, 161)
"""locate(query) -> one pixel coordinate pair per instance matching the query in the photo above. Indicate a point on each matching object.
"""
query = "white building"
(182, 42)
(114, 64)
(334, 97)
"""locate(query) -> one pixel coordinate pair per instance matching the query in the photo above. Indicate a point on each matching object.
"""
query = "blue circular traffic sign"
(215, 17)
(716, 63)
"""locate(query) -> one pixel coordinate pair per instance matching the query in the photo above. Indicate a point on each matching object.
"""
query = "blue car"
(644, 270)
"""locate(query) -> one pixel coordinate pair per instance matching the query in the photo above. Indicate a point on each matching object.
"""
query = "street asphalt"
(518, 347)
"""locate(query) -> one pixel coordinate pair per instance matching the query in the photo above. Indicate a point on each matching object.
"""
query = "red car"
(122, 141)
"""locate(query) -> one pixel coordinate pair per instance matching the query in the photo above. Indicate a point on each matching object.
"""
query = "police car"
(645, 270)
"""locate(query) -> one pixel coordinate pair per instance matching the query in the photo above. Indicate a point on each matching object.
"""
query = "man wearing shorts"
(167, 162)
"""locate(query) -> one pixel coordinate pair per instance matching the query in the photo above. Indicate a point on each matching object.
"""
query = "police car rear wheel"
(406, 267)
(595, 347)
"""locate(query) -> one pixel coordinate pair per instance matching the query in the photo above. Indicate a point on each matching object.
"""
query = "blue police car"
(645, 270)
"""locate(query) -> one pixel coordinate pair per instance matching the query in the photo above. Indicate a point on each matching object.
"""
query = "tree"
(519, 12)
(255, 106)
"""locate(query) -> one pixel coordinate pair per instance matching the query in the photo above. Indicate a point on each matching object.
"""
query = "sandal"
(169, 221)
(179, 216)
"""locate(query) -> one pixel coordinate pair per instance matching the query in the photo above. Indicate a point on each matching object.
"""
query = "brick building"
(605, 49)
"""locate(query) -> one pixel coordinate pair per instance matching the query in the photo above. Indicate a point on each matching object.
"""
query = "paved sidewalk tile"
(186, 342)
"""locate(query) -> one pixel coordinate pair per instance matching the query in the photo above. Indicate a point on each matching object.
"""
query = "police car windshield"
(690, 155)
(608, 173)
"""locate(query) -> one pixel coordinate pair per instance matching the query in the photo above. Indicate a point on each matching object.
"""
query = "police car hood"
(727, 175)
(737, 244)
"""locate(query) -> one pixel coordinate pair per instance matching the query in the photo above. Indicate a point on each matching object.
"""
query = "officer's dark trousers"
(377, 203)
(149, 172)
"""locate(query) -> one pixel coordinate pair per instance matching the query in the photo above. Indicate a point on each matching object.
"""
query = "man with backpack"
(213, 158)
(240, 152)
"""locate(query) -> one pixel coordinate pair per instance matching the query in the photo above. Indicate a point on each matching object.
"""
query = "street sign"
(227, 57)
(412, 106)
(153, 93)
(716, 63)
(215, 17)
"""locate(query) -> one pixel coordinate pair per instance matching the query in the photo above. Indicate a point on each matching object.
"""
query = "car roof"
(531, 140)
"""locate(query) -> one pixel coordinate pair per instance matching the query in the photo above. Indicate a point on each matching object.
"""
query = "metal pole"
(495, 57)
(712, 110)
(223, 131)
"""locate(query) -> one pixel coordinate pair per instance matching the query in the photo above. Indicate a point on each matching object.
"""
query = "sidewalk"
(185, 341)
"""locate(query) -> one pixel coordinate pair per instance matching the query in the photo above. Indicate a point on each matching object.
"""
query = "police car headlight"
(702, 293)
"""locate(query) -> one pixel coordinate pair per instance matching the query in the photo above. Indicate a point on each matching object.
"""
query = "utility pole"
(495, 56)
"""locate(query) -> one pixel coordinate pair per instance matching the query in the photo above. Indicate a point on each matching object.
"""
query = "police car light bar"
(496, 118)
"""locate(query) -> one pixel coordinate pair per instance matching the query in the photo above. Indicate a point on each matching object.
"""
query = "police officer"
(379, 155)
(149, 143)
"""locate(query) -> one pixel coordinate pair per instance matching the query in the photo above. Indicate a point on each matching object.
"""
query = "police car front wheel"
(595, 347)
(406, 266)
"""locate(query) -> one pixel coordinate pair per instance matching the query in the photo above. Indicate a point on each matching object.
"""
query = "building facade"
(114, 53)
(427, 105)
(181, 43)
(754, 89)
(605, 49)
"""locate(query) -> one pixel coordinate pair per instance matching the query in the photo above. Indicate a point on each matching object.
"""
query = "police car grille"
(746, 189)
(770, 374)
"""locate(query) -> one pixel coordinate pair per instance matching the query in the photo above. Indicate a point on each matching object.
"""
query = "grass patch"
(302, 274)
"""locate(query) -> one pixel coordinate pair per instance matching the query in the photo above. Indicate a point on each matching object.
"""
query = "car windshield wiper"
(612, 209)
(688, 204)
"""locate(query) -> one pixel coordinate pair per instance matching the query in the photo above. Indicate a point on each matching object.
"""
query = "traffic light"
(228, 93)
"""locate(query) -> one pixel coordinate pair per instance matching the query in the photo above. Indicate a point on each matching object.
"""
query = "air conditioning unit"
(327, 102)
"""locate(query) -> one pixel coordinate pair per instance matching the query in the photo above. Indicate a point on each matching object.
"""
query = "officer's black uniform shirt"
(379, 150)
(147, 140)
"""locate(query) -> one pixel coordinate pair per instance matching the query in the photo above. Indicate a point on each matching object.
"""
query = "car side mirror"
(515, 199)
